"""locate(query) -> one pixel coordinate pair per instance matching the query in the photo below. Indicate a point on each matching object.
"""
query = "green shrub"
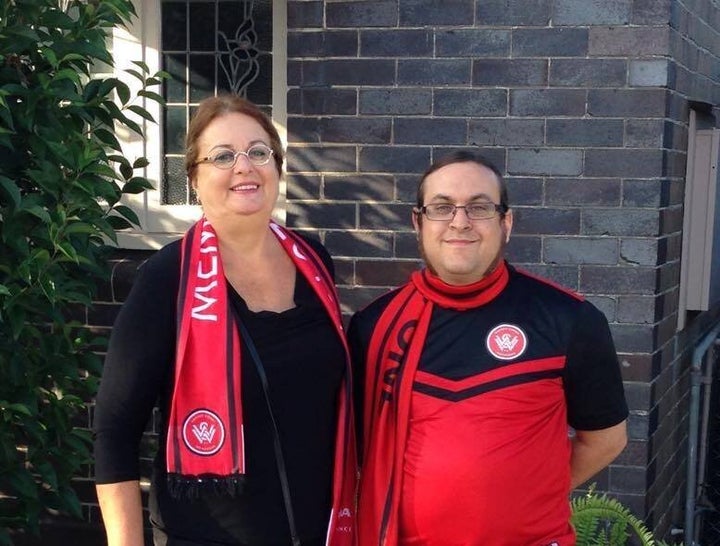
(603, 521)
(62, 175)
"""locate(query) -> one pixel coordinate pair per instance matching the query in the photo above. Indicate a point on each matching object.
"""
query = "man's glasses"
(474, 211)
(257, 154)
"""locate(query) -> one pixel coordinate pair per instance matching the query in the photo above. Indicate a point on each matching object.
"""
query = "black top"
(304, 362)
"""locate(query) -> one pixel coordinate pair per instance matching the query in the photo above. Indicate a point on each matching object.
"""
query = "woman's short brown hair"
(214, 107)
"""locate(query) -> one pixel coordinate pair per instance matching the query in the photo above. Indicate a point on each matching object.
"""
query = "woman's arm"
(122, 513)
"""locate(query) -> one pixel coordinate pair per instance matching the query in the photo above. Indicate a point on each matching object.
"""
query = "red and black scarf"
(392, 360)
(205, 443)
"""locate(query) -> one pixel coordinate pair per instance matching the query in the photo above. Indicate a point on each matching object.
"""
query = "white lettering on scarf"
(200, 311)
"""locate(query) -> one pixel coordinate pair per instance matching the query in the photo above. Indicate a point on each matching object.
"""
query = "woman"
(235, 333)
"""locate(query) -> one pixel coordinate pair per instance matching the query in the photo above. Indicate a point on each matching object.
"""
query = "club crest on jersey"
(203, 432)
(506, 342)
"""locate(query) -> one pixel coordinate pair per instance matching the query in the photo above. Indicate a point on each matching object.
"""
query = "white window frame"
(140, 41)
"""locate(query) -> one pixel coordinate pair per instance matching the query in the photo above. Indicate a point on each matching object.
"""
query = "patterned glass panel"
(209, 47)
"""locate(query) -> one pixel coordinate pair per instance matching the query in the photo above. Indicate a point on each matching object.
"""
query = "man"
(473, 374)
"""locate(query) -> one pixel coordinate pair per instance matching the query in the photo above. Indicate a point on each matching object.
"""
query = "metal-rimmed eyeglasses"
(224, 158)
(474, 211)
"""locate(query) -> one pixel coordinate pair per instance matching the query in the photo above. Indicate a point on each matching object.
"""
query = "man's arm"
(121, 509)
(593, 450)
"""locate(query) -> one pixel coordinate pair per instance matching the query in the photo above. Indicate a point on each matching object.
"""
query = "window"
(208, 47)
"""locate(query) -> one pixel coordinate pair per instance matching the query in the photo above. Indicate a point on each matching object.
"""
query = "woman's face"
(245, 189)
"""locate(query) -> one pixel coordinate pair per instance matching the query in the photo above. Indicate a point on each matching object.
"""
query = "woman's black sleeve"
(138, 367)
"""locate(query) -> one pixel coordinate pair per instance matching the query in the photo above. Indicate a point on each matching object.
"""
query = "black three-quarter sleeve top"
(304, 362)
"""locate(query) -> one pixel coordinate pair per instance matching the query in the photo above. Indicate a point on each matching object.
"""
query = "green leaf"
(141, 112)
(136, 74)
(106, 137)
(10, 189)
(140, 163)
(144, 67)
(123, 92)
(137, 185)
(128, 213)
(151, 95)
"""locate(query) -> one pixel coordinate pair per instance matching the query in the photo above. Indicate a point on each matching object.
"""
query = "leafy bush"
(603, 521)
(62, 175)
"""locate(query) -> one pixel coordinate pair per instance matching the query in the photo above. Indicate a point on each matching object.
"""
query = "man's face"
(462, 251)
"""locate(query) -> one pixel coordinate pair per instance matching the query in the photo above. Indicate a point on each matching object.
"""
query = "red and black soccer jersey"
(487, 459)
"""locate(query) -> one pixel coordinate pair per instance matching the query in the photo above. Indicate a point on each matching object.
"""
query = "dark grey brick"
(524, 249)
(396, 43)
(509, 72)
(321, 159)
(583, 191)
(649, 72)
(321, 215)
(356, 297)
(632, 338)
(639, 396)
(384, 273)
(513, 12)
(592, 12)
(507, 132)
(360, 187)
(606, 304)
(361, 130)
(394, 159)
(524, 191)
(564, 275)
(630, 103)
(386, 216)
(470, 102)
(396, 101)
(619, 221)
(316, 43)
(547, 102)
(325, 101)
(643, 193)
(365, 244)
(549, 42)
(585, 132)
(434, 72)
(406, 187)
(636, 309)
(294, 72)
(406, 245)
(496, 156)
(361, 13)
(545, 221)
(629, 479)
(639, 251)
(303, 186)
(624, 162)
(650, 12)
(434, 131)
(584, 250)
(644, 133)
(588, 72)
(537, 161)
(304, 14)
(629, 41)
(344, 271)
(348, 72)
(595, 279)
(436, 12)
(472, 43)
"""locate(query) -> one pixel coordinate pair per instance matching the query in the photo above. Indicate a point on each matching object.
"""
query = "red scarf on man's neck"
(393, 357)
(205, 443)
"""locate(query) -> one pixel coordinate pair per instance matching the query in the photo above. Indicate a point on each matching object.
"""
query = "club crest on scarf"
(203, 432)
(506, 341)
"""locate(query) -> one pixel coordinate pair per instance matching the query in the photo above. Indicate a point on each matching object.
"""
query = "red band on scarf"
(392, 360)
(205, 432)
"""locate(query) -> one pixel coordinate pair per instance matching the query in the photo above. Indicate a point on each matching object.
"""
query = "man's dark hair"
(463, 156)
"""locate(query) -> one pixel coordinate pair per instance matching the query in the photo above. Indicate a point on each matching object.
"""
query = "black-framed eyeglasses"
(257, 154)
(474, 211)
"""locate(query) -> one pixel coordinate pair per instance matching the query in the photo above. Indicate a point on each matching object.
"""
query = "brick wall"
(583, 104)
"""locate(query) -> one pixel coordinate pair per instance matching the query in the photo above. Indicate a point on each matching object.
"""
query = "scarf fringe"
(193, 487)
